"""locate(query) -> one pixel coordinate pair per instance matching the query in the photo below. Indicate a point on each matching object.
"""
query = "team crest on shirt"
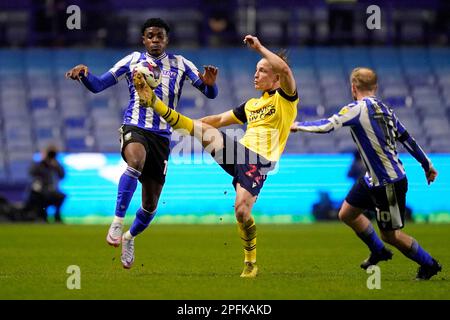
(343, 111)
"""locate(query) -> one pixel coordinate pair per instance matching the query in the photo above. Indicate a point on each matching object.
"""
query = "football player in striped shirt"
(375, 129)
(145, 136)
(248, 160)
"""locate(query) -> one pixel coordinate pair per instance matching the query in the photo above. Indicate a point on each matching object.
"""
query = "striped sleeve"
(346, 117)
(412, 146)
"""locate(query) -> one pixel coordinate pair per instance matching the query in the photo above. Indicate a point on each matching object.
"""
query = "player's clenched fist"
(76, 72)
(252, 42)
(431, 175)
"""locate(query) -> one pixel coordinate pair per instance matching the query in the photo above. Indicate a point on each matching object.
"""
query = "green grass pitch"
(300, 261)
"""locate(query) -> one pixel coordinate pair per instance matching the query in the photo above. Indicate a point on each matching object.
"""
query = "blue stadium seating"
(39, 106)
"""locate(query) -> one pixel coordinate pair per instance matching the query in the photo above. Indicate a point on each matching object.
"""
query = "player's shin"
(141, 222)
(247, 232)
(371, 239)
(417, 254)
(126, 189)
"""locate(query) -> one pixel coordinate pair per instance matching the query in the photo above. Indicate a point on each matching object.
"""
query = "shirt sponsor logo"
(261, 113)
(168, 73)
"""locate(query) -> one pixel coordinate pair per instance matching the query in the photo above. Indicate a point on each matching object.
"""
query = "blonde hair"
(364, 79)
(283, 54)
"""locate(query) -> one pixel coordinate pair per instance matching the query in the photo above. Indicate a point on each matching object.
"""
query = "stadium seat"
(19, 171)
(46, 118)
(355, 57)
(300, 26)
(271, 25)
(414, 81)
(82, 143)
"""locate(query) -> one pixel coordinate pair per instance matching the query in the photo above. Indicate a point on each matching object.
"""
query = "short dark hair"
(155, 22)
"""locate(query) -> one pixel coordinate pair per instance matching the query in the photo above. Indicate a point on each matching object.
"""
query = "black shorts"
(156, 147)
(389, 202)
(247, 168)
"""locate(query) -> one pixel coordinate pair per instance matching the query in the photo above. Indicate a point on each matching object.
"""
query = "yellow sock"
(247, 232)
(175, 119)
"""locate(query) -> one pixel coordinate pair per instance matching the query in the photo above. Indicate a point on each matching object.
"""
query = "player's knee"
(342, 216)
(136, 163)
(149, 206)
(241, 210)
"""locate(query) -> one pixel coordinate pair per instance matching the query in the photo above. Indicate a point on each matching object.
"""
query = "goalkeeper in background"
(249, 160)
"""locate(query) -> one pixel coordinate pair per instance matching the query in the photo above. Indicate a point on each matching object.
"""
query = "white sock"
(127, 235)
(118, 220)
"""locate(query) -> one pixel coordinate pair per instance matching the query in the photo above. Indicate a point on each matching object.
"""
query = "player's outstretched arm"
(347, 116)
(279, 66)
(93, 83)
(220, 120)
(318, 126)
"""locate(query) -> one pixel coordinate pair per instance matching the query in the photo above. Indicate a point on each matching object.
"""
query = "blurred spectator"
(44, 189)
(442, 27)
(48, 22)
(219, 19)
(325, 209)
(340, 19)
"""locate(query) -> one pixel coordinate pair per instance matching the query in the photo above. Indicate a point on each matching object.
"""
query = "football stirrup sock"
(127, 186)
(247, 232)
(371, 239)
(418, 254)
(175, 119)
(141, 222)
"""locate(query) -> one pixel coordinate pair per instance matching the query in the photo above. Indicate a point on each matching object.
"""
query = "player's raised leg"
(247, 229)
(210, 137)
(148, 99)
(409, 246)
(135, 155)
(363, 228)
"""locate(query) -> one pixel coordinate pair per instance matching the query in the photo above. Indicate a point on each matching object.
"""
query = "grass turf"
(303, 261)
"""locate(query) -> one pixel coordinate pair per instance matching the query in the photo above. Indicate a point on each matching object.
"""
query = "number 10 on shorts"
(383, 216)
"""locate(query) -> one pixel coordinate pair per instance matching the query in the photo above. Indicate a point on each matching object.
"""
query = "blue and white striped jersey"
(175, 70)
(375, 129)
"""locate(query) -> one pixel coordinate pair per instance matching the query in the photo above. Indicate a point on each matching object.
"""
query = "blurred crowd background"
(325, 40)
(219, 23)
